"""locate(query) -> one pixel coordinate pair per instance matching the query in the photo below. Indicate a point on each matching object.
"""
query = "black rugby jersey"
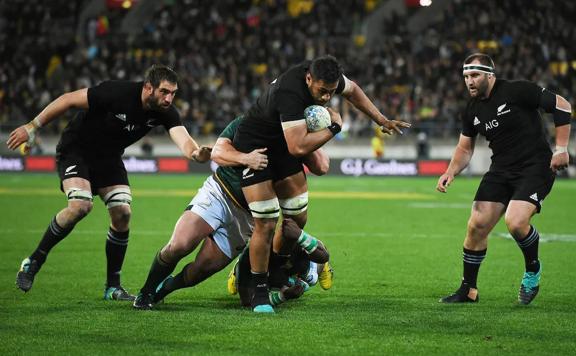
(284, 100)
(510, 121)
(115, 119)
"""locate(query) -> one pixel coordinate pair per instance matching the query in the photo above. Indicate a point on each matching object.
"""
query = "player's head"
(478, 71)
(322, 78)
(160, 86)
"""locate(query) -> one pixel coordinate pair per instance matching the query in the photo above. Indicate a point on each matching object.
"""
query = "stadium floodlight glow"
(425, 2)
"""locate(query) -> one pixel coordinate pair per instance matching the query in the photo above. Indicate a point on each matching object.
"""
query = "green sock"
(307, 242)
(276, 298)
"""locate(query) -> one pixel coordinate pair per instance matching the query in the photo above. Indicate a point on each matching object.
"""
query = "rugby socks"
(260, 287)
(529, 247)
(308, 242)
(472, 260)
(116, 245)
(53, 235)
(158, 272)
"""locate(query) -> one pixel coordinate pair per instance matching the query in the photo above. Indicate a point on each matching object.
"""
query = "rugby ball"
(317, 118)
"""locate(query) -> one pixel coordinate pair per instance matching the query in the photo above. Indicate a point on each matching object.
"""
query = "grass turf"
(395, 246)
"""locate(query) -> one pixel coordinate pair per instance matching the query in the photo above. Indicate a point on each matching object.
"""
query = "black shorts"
(280, 165)
(532, 184)
(99, 171)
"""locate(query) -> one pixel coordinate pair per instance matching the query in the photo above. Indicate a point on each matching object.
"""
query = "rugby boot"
(464, 294)
(118, 293)
(143, 301)
(529, 287)
(25, 276)
(326, 277)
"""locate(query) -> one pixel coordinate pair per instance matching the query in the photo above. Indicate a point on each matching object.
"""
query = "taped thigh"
(118, 196)
(267, 209)
(78, 194)
(295, 205)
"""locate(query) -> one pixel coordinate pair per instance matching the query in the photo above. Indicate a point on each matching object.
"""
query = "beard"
(152, 103)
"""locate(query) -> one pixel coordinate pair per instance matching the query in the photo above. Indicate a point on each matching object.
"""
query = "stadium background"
(406, 56)
(394, 243)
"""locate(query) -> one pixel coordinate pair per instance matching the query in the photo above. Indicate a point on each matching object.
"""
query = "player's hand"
(391, 126)
(202, 154)
(559, 161)
(256, 159)
(335, 116)
(444, 181)
(17, 137)
(294, 291)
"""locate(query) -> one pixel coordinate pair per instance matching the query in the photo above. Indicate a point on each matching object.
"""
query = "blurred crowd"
(227, 50)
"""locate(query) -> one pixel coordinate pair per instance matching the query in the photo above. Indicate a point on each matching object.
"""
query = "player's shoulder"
(121, 85)
(293, 79)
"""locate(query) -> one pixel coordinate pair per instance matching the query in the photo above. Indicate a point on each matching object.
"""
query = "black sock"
(529, 247)
(116, 245)
(472, 260)
(158, 272)
(53, 235)
(260, 287)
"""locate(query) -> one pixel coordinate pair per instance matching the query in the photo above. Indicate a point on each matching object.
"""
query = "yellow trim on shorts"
(227, 192)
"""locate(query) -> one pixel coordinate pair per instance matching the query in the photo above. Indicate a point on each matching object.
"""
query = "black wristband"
(335, 128)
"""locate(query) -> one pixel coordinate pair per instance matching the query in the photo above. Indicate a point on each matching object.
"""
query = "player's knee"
(294, 206)
(517, 226)
(265, 227)
(79, 209)
(120, 216)
(477, 227)
(180, 248)
(79, 202)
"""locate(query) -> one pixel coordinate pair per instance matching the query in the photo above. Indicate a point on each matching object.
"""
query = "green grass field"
(395, 246)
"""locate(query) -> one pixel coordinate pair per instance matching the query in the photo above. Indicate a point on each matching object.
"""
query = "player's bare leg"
(209, 260)
(79, 195)
(264, 206)
(484, 217)
(518, 215)
(117, 199)
(189, 231)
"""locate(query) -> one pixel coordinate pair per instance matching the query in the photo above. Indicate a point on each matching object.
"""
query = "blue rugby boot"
(529, 287)
(118, 293)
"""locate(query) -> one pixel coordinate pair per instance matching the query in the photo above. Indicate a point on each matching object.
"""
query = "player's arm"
(188, 146)
(317, 162)
(225, 154)
(301, 142)
(561, 111)
(25, 133)
(356, 96)
(460, 160)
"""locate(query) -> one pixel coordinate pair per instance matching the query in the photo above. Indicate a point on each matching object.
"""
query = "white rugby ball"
(317, 118)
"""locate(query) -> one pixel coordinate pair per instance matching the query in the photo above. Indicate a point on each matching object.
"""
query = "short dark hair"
(159, 72)
(484, 59)
(326, 68)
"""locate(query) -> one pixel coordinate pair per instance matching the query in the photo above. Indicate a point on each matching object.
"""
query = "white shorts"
(232, 225)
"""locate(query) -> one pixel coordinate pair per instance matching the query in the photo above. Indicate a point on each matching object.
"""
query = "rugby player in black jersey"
(114, 114)
(276, 122)
(522, 171)
(217, 216)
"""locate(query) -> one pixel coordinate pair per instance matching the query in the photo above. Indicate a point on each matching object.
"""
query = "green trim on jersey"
(228, 177)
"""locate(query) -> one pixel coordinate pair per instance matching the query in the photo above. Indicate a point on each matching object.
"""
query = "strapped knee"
(267, 209)
(295, 205)
(79, 194)
(118, 196)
